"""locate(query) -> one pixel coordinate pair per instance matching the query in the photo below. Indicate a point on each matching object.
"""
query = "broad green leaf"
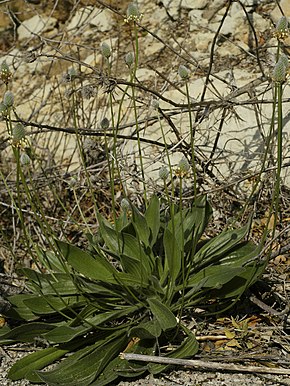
(93, 267)
(141, 227)
(146, 330)
(152, 216)
(52, 261)
(162, 313)
(50, 304)
(214, 276)
(89, 365)
(27, 332)
(218, 246)
(25, 367)
(20, 309)
(172, 255)
(188, 348)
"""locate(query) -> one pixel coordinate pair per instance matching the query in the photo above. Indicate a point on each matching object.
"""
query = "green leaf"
(218, 246)
(83, 368)
(152, 216)
(93, 267)
(162, 313)
(51, 304)
(172, 255)
(141, 227)
(188, 348)
(27, 332)
(146, 330)
(25, 367)
(20, 309)
(214, 276)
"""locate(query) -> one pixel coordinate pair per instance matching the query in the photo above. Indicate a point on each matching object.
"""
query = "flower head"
(18, 132)
(282, 28)
(5, 73)
(25, 159)
(279, 72)
(163, 173)
(125, 205)
(183, 72)
(129, 59)
(8, 99)
(133, 13)
(105, 123)
(106, 50)
(183, 167)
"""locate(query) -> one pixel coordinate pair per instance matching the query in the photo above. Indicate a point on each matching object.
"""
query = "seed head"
(129, 59)
(163, 173)
(155, 103)
(8, 99)
(183, 72)
(106, 50)
(279, 72)
(25, 159)
(105, 123)
(18, 132)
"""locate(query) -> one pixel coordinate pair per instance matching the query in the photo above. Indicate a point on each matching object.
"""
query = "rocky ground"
(228, 46)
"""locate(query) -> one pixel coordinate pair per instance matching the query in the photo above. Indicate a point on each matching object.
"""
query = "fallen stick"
(198, 364)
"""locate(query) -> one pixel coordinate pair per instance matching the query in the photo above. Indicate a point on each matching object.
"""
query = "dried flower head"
(282, 28)
(25, 159)
(88, 91)
(106, 50)
(105, 123)
(8, 99)
(129, 59)
(133, 13)
(183, 72)
(5, 73)
(279, 72)
(163, 173)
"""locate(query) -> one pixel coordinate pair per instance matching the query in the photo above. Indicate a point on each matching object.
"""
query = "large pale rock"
(91, 16)
(34, 26)
(276, 13)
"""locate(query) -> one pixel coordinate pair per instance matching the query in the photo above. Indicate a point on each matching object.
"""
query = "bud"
(125, 205)
(105, 50)
(105, 123)
(24, 159)
(279, 72)
(163, 173)
(183, 166)
(18, 132)
(183, 72)
(129, 59)
(8, 99)
(5, 73)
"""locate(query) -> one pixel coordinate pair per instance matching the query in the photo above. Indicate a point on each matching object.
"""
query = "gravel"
(175, 378)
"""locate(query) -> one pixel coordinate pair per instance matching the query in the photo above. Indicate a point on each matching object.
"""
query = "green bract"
(127, 293)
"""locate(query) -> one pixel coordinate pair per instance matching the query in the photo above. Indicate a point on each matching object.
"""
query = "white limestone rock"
(34, 26)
